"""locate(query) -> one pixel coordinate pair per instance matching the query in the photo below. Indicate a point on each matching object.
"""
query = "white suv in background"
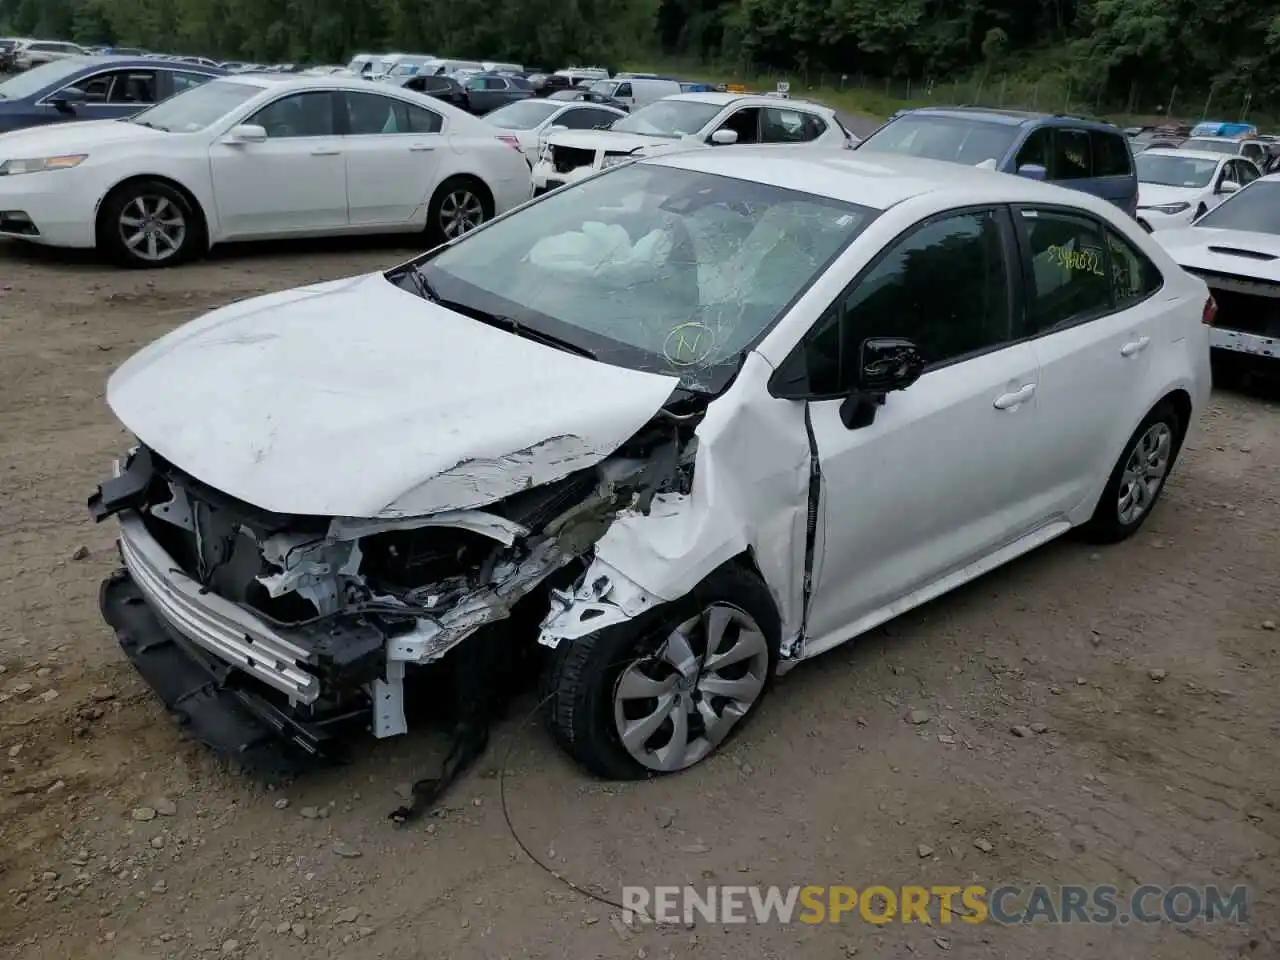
(684, 121)
(32, 53)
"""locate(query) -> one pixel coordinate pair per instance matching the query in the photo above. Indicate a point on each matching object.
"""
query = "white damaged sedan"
(672, 429)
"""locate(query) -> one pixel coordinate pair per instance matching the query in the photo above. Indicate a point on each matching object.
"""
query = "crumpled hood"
(356, 398)
(1238, 252)
(1159, 194)
(74, 136)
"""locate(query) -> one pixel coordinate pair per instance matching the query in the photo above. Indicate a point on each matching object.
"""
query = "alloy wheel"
(152, 227)
(460, 212)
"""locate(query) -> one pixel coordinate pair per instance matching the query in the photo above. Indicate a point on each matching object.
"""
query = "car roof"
(1217, 139)
(1014, 118)
(876, 180)
(126, 60)
(1193, 154)
(718, 98)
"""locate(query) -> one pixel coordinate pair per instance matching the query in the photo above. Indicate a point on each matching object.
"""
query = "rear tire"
(629, 677)
(1139, 477)
(458, 206)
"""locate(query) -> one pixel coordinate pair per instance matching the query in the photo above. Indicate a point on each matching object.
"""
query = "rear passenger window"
(1071, 154)
(1068, 281)
(1133, 276)
(1110, 155)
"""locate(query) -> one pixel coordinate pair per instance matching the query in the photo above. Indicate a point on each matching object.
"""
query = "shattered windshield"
(650, 267)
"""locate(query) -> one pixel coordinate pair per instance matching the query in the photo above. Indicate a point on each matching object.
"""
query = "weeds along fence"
(1053, 94)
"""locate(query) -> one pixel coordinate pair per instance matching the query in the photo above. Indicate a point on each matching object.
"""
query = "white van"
(437, 67)
(577, 75)
(494, 66)
(404, 64)
(637, 92)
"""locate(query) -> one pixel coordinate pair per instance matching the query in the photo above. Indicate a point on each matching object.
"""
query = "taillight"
(510, 141)
(1210, 312)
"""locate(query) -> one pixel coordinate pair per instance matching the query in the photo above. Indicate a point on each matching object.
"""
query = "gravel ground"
(1152, 667)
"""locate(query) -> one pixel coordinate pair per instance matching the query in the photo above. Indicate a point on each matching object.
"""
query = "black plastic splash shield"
(204, 696)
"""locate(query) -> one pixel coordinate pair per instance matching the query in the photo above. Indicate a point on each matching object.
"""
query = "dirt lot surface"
(1153, 666)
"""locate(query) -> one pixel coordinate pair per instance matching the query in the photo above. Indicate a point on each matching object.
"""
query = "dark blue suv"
(1076, 152)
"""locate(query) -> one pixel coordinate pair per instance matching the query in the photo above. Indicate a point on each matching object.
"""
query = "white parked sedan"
(526, 124)
(704, 416)
(1175, 185)
(254, 157)
(1235, 249)
(684, 121)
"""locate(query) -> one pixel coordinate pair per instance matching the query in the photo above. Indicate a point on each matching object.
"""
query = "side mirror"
(246, 133)
(66, 97)
(885, 364)
(724, 137)
(1033, 171)
(1228, 186)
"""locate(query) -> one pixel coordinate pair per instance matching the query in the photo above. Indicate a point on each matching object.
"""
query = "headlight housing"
(613, 159)
(11, 168)
(1171, 208)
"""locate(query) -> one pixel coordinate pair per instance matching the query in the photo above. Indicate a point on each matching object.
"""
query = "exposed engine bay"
(311, 623)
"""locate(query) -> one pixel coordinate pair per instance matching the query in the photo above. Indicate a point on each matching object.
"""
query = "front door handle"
(323, 152)
(421, 148)
(1008, 401)
(1134, 348)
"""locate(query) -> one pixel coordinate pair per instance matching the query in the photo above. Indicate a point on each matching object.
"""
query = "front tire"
(458, 206)
(660, 693)
(1139, 477)
(147, 224)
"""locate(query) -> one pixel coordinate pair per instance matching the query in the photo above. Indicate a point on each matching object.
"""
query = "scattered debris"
(81, 552)
(983, 845)
(1157, 675)
(1020, 731)
(665, 816)
(924, 851)
(282, 803)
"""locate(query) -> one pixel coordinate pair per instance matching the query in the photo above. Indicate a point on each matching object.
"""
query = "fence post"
(1173, 95)
(1035, 96)
(1204, 114)
(1248, 99)
(1066, 107)
(908, 88)
(1004, 78)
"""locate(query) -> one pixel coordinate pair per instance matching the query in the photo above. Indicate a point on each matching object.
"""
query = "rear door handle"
(323, 152)
(422, 148)
(1009, 400)
(1134, 348)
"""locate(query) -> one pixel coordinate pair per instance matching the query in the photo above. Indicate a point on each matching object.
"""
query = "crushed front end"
(271, 636)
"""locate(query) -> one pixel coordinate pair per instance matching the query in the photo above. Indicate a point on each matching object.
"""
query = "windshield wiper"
(422, 286)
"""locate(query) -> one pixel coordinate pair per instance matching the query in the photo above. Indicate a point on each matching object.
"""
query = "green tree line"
(1103, 46)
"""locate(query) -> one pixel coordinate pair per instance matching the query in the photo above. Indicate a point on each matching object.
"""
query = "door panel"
(392, 151)
(1094, 353)
(933, 484)
(935, 481)
(295, 182)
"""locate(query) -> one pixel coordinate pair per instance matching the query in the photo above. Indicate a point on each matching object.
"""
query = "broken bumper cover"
(1237, 341)
(207, 620)
(203, 693)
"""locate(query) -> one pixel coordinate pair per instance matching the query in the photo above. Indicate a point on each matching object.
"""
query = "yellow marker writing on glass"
(1085, 261)
(689, 344)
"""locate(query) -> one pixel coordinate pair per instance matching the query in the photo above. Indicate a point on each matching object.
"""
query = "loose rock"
(918, 717)
(1020, 731)
(1268, 624)
(983, 845)
(924, 850)
(665, 816)
(230, 946)
(1157, 675)
(299, 930)
(143, 814)
(346, 915)
(344, 849)
(309, 813)
(1039, 728)
(81, 552)
(282, 803)
(166, 807)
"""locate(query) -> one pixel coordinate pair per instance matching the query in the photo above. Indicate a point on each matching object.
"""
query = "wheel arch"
(196, 206)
